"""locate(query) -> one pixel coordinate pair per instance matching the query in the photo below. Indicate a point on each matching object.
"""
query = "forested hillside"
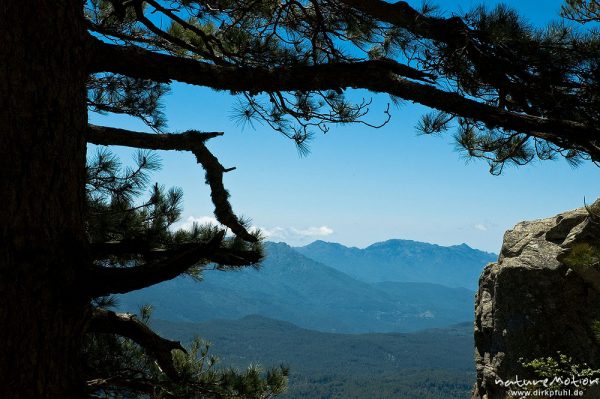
(431, 364)
(342, 336)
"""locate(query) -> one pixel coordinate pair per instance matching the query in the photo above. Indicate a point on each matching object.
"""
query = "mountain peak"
(324, 244)
(277, 244)
(463, 245)
(395, 242)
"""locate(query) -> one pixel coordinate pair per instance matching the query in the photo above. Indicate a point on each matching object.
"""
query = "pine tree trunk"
(42, 157)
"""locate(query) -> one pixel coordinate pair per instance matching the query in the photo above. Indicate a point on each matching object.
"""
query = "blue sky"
(361, 185)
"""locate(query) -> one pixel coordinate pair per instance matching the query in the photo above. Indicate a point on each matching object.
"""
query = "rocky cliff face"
(542, 296)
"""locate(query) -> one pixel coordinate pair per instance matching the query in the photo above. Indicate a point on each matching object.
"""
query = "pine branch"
(129, 384)
(190, 140)
(236, 257)
(128, 326)
(186, 141)
(125, 37)
(377, 76)
(104, 250)
(206, 38)
(164, 68)
(497, 66)
(104, 281)
(141, 17)
(221, 256)
(401, 14)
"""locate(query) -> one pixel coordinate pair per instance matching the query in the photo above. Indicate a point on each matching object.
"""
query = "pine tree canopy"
(133, 247)
(509, 91)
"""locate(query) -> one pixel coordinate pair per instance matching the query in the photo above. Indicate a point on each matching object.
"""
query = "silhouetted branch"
(401, 14)
(131, 384)
(222, 256)
(377, 75)
(190, 140)
(128, 326)
(186, 141)
(164, 68)
(119, 280)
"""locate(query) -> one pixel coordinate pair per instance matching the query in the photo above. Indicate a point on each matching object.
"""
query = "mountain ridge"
(404, 261)
(295, 288)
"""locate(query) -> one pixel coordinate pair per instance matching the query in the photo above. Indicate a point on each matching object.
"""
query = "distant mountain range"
(423, 365)
(394, 286)
(404, 261)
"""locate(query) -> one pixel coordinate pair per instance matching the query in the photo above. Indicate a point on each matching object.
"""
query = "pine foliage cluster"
(124, 208)
(491, 57)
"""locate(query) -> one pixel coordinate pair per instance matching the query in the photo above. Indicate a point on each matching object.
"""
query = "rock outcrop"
(541, 297)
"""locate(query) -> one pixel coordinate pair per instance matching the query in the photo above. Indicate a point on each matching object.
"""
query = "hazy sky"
(361, 185)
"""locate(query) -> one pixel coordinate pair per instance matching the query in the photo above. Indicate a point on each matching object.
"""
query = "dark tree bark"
(43, 248)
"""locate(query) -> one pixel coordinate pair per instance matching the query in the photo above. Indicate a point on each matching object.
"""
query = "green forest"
(429, 364)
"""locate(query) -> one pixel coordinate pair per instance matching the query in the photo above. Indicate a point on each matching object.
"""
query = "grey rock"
(534, 302)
